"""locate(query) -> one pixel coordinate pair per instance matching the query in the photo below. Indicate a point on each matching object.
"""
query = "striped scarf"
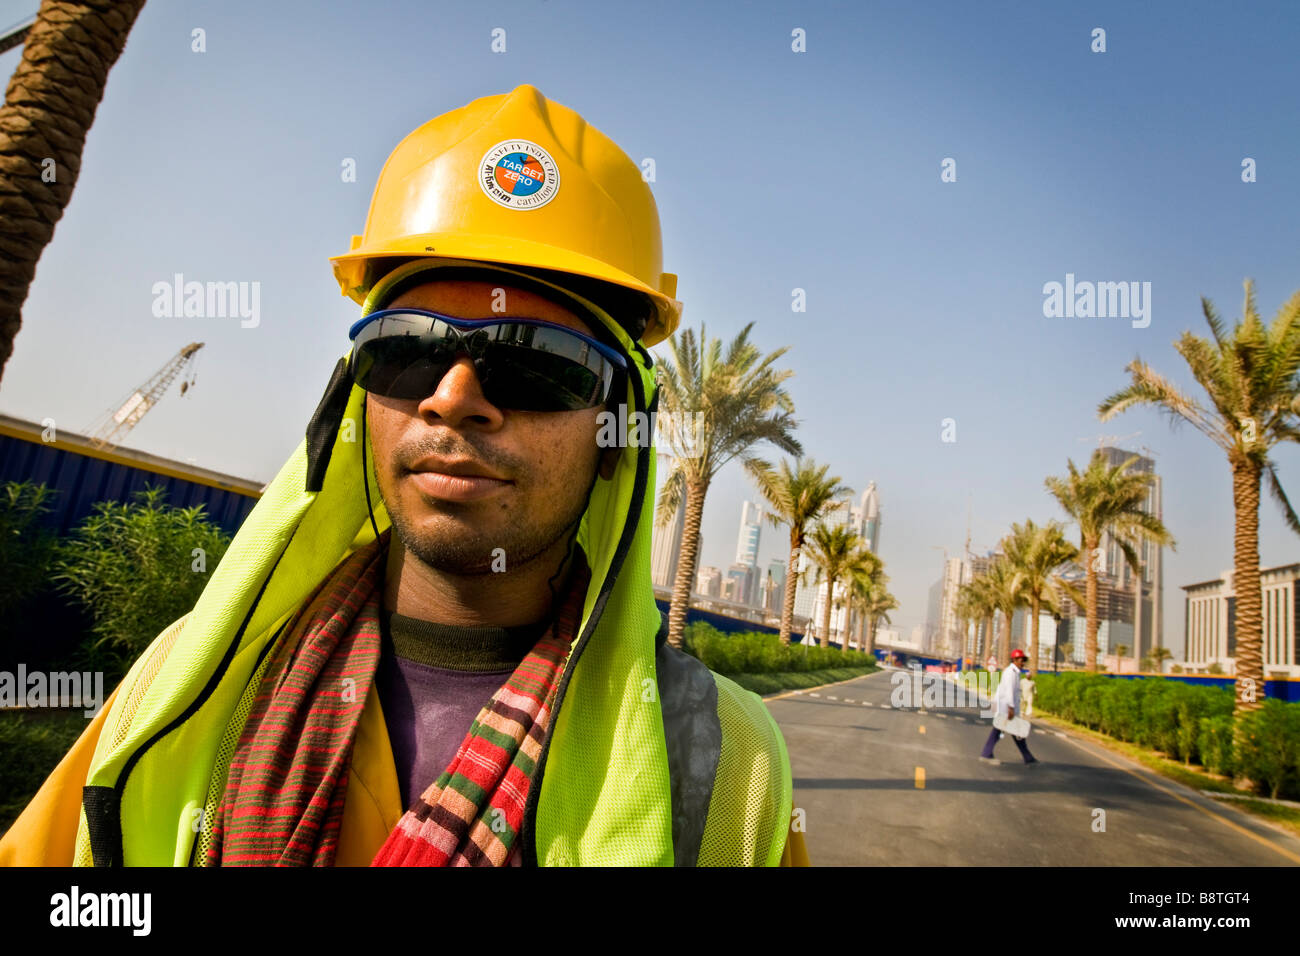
(284, 794)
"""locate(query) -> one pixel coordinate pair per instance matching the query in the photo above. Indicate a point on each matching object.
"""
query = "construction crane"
(16, 33)
(112, 426)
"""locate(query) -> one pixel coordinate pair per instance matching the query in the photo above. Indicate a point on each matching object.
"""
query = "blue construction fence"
(1286, 689)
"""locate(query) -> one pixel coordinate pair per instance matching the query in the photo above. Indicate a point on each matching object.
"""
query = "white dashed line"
(1058, 733)
(829, 697)
(867, 703)
(849, 700)
(814, 695)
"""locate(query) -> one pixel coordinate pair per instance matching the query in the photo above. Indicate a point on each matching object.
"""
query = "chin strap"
(324, 426)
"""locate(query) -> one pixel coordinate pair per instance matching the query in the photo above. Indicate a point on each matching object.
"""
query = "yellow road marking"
(920, 778)
(1294, 858)
(923, 728)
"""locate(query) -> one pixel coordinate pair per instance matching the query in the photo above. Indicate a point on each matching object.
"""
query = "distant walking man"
(1006, 702)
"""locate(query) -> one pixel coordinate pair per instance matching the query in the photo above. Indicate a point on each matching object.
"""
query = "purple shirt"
(433, 679)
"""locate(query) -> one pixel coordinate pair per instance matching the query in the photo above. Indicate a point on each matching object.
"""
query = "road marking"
(867, 703)
(849, 700)
(942, 716)
(814, 695)
(885, 706)
(920, 778)
(1059, 734)
(923, 728)
(1295, 858)
(829, 697)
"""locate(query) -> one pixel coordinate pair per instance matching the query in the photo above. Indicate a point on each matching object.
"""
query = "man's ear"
(608, 462)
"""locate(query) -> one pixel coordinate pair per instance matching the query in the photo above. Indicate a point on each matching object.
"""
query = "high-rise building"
(751, 527)
(776, 570)
(1114, 616)
(810, 597)
(710, 581)
(1148, 626)
(868, 517)
(941, 615)
(745, 586)
(667, 547)
(773, 598)
(1211, 623)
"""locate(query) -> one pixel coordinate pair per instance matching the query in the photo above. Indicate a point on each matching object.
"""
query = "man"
(476, 640)
(1006, 703)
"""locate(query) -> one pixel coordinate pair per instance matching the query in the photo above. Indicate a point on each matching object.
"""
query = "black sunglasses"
(522, 364)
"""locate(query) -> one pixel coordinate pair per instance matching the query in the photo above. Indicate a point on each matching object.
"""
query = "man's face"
(460, 477)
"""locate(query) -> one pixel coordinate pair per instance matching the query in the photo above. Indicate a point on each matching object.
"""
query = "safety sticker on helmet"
(519, 174)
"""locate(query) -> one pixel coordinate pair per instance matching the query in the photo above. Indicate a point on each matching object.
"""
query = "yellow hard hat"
(521, 180)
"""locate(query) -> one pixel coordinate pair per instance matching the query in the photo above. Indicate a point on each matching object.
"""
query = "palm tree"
(975, 602)
(716, 406)
(1158, 656)
(1100, 499)
(1006, 586)
(875, 606)
(796, 497)
(1038, 552)
(864, 581)
(836, 550)
(1250, 376)
(49, 106)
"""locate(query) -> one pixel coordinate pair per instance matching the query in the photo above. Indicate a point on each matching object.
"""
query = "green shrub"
(32, 744)
(138, 567)
(27, 548)
(1270, 737)
(756, 653)
(1215, 744)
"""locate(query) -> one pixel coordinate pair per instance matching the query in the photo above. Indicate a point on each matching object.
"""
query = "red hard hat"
(1019, 653)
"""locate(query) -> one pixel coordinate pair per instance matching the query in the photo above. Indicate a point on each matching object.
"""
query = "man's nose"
(459, 398)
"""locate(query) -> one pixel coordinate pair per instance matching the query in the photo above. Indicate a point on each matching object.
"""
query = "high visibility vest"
(652, 759)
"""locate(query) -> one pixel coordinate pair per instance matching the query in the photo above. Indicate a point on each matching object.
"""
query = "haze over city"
(823, 172)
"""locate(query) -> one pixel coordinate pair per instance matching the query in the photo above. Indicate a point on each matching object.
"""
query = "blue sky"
(775, 170)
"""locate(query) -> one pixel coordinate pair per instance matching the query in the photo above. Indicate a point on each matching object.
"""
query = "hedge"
(1188, 723)
(755, 653)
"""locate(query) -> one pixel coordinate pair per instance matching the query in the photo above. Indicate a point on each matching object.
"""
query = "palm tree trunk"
(987, 650)
(1004, 645)
(49, 107)
(791, 584)
(685, 582)
(1090, 638)
(826, 614)
(1137, 612)
(1245, 580)
(1033, 637)
(871, 635)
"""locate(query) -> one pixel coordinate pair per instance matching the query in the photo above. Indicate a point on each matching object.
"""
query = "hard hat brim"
(350, 269)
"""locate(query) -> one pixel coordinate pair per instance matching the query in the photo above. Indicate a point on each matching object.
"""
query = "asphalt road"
(881, 786)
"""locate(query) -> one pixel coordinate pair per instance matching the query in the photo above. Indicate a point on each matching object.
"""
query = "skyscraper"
(751, 527)
(868, 517)
(862, 518)
(1148, 624)
(667, 546)
(746, 566)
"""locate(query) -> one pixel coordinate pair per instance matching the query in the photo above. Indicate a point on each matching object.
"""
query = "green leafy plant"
(138, 567)
(27, 548)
